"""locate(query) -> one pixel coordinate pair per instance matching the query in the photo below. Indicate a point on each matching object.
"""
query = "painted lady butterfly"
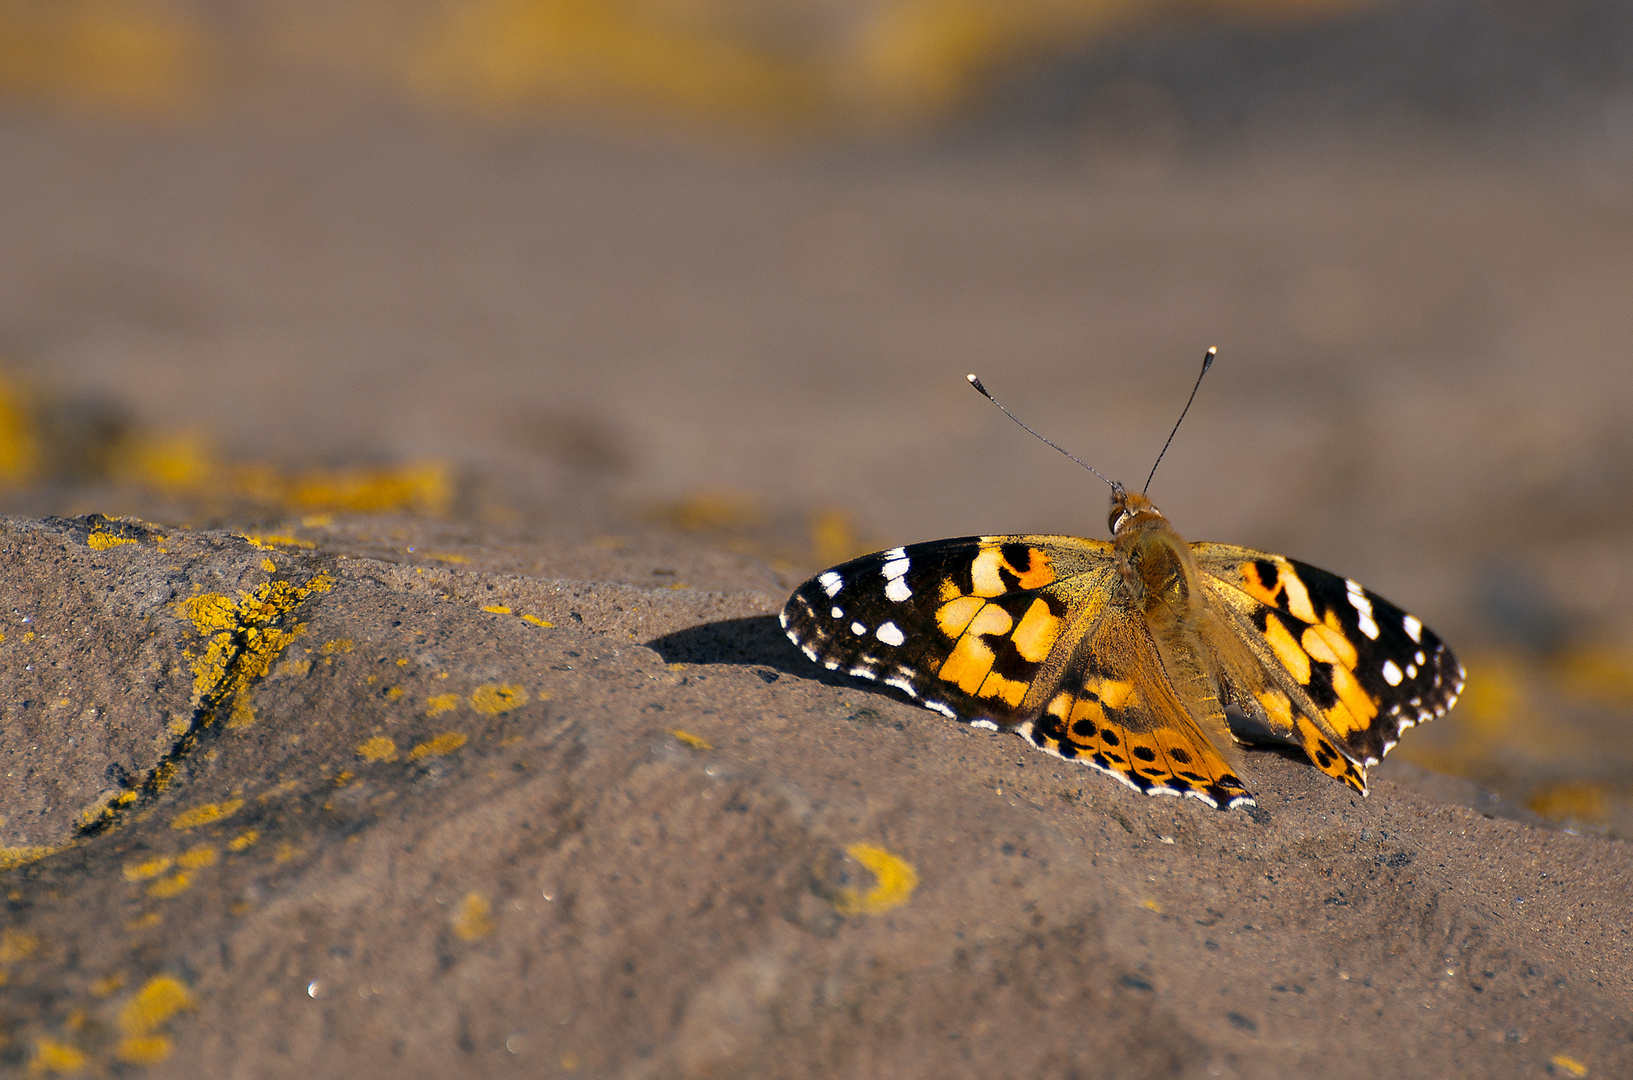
(1148, 658)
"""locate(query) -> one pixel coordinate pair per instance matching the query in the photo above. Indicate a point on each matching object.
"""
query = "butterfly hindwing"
(1118, 712)
(1341, 664)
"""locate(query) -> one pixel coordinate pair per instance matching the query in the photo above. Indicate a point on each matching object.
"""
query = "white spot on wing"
(940, 708)
(831, 582)
(895, 553)
(890, 634)
(1363, 608)
(896, 589)
(837, 612)
(858, 629)
(894, 568)
(1392, 674)
(987, 724)
(1414, 629)
(903, 685)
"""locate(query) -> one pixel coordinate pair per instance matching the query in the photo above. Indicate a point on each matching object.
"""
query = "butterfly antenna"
(975, 382)
(1207, 362)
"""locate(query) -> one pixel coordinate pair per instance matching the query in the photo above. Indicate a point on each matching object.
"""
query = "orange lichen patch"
(437, 746)
(265, 541)
(1568, 1065)
(245, 638)
(20, 448)
(102, 541)
(394, 693)
(199, 857)
(895, 879)
(243, 840)
(165, 888)
(17, 945)
(696, 742)
(710, 511)
(339, 645)
(55, 1057)
(1601, 675)
(834, 537)
(205, 814)
(472, 920)
(496, 609)
(1572, 800)
(145, 1015)
(104, 55)
(496, 698)
(11, 857)
(534, 619)
(148, 869)
(441, 703)
(457, 560)
(107, 985)
(379, 748)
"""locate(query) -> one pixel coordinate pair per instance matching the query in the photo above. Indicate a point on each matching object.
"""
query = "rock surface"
(307, 813)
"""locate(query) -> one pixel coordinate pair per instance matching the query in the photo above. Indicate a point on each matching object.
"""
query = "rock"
(313, 814)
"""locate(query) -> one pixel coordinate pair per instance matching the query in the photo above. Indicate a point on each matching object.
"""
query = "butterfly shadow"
(756, 642)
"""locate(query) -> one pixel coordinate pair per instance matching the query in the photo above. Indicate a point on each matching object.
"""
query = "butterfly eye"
(1119, 514)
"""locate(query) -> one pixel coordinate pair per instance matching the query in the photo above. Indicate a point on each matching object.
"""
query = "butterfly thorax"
(1156, 564)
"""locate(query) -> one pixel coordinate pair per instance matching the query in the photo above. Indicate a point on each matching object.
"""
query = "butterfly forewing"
(1354, 666)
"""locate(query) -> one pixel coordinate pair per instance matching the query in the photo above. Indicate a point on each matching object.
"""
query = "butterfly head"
(1130, 509)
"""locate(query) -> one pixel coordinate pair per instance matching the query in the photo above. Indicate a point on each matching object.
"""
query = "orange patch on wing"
(1009, 691)
(1037, 572)
(1278, 707)
(1292, 655)
(1036, 632)
(985, 571)
(1113, 693)
(1287, 584)
(969, 664)
(1328, 758)
(954, 616)
(1326, 642)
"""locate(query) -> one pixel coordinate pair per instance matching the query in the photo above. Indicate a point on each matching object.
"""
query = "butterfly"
(1146, 657)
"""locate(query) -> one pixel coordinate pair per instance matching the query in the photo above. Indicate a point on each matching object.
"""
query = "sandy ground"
(652, 372)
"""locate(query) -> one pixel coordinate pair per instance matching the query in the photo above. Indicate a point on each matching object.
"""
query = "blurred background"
(511, 283)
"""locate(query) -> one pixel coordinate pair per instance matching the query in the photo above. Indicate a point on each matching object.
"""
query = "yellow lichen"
(265, 542)
(16, 945)
(441, 703)
(243, 840)
(196, 858)
(205, 814)
(339, 645)
(438, 745)
(696, 742)
(379, 748)
(895, 881)
(153, 1006)
(109, 984)
(1569, 1065)
(343, 778)
(496, 609)
(393, 693)
(536, 621)
(151, 868)
(11, 857)
(51, 1056)
(245, 638)
(473, 919)
(102, 541)
(165, 888)
(496, 698)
